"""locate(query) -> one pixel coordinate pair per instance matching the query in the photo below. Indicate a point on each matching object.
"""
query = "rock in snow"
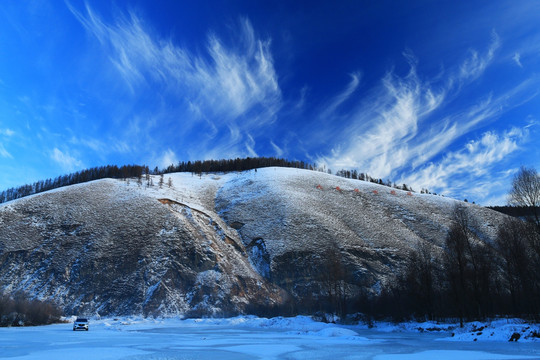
(214, 244)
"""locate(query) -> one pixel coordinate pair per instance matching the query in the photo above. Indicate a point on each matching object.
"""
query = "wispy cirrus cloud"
(167, 158)
(475, 64)
(7, 132)
(228, 87)
(469, 170)
(379, 131)
(342, 97)
(101, 147)
(406, 123)
(277, 150)
(517, 59)
(67, 162)
(4, 153)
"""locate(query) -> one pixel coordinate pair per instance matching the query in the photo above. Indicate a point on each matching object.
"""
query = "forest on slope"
(196, 167)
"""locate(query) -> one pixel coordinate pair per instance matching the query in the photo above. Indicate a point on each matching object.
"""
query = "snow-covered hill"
(216, 243)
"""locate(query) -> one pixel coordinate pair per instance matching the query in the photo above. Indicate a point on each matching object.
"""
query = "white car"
(80, 324)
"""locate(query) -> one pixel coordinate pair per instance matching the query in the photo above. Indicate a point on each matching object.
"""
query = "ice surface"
(249, 338)
(449, 355)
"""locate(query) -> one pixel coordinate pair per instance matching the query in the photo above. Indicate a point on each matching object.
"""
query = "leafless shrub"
(18, 310)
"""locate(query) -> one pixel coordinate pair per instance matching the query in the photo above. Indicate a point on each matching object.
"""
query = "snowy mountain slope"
(213, 244)
(296, 217)
(111, 248)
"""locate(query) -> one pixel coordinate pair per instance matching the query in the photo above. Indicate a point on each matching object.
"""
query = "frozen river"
(240, 338)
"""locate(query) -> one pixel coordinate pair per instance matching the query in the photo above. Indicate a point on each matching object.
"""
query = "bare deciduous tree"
(420, 279)
(514, 257)
(526, 190)
(468, 265)
(334, 279)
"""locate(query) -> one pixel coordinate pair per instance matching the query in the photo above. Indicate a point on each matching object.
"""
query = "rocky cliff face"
(214, 245)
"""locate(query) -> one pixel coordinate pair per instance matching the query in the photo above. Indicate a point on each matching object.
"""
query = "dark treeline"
(96, 173)
(354, 174)
(211, 166)
(468, 278)
(515, 211)
(196, 167)
(137, 171)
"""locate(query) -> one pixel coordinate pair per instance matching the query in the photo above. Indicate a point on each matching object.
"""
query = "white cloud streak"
(460, 172)
(476, 64)
(278, 151)
(233, 87)
(343, 96)
(250, 146)
(405, 123)
(517, 60)
(65, 160)
(4, 153)
(383, 127)
(7, 132)
(168, 158)
(101, 147)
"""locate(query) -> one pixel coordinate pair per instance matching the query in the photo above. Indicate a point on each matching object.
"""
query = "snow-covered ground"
(122, 247)
(259, 338)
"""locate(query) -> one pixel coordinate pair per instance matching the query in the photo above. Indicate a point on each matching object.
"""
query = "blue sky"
(439, 95)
